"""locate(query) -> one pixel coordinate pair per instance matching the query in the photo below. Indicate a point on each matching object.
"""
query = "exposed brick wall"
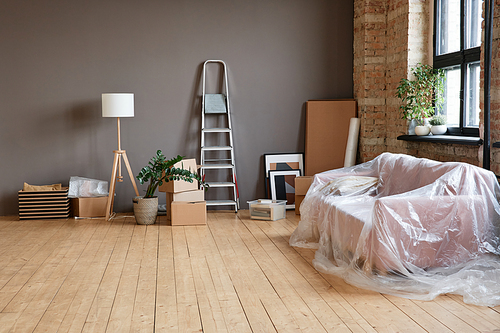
(495, 89)
(390, 37)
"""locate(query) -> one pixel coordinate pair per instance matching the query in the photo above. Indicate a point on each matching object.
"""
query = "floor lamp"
(118, 105)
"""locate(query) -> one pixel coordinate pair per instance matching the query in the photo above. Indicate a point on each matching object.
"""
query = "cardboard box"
(177, 186)
(327, 129)
(298, 201)
(89, 207)
(302, 184)
(188, 213)
(266, 209)
(190, 196)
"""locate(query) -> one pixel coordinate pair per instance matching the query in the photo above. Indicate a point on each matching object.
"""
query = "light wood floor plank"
(232, 275)
(143, 317)
(483, 312)
(122, 310)
(78, 310)
(59, 306)
(208, 303)
(166, 296)
(254, 309)
(97, 317)
(260, 278)
(28, 253)
(339, 305)
(58, 267)
(188, 313)
(231, 307)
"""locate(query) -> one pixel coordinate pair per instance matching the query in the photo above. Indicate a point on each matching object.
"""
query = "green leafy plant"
(422, 95)
(160, 170)
(438, 120)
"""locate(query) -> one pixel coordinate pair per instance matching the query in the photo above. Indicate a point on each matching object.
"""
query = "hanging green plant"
(423, 95)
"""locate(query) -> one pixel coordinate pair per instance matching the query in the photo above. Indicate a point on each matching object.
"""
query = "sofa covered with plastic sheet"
(407, 226)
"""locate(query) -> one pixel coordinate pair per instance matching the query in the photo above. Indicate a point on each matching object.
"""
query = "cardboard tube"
(352, 143)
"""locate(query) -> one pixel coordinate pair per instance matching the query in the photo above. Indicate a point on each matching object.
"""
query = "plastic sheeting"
(407, 226)
(81, 187)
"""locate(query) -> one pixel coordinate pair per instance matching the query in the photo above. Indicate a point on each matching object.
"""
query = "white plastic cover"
(81, 187)
(407, 226)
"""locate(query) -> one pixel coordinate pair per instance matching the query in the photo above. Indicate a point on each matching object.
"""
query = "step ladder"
(217, 149)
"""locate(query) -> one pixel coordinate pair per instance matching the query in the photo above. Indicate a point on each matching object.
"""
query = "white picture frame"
(281, 189)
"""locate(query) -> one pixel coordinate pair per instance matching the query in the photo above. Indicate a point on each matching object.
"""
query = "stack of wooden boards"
(44, 204)
(186, 204)
(327, 131)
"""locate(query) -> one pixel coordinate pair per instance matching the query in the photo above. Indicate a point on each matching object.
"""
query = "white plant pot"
(422, 130)
(439, 129)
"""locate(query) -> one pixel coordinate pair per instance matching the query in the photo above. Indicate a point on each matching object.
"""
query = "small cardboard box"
(302, 184)
(269, 210)
(190, 196)
(298, 201)
(89, 207)
(177, 186)
(188, 213)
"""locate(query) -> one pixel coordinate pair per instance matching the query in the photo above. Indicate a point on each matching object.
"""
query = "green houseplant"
(158, 171)
(422, 95)
(438, 123)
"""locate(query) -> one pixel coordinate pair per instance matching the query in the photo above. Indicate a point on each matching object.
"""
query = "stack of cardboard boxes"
(185, 202)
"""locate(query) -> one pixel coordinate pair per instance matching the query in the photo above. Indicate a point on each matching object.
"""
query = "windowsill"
(453, 139)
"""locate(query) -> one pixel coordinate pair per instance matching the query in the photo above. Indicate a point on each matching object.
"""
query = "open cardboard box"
(89, 207)
(177, 186)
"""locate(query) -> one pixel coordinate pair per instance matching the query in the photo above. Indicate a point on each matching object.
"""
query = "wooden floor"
(234, 275)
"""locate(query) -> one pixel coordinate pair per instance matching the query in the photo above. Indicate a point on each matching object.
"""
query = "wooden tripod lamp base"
(118, 105)
(119, 154)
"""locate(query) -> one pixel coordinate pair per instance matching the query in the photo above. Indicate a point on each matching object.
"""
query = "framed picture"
(284, 161)
(282, 183)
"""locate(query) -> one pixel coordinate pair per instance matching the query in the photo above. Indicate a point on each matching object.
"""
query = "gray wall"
(58, 56)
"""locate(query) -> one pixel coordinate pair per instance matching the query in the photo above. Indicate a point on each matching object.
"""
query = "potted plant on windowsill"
(158, 171)
(421, 96)
(438, 123)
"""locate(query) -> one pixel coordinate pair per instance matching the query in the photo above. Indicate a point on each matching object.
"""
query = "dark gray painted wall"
(58, 56)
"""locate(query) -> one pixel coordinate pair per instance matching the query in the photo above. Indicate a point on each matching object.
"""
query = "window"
(457, 41)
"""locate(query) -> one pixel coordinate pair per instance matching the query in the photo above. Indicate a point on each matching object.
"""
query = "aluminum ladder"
(217, 149)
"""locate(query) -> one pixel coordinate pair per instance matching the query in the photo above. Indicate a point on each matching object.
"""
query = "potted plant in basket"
(421, 96)
(438, 123)
(158, 171)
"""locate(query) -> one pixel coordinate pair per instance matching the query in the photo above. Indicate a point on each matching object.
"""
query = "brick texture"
(390, 37)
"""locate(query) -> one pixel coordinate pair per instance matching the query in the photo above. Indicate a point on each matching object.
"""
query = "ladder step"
(215, 103)
(217, 148)
(221, 202)
(218, 160)
(216, 130)
(220, 184)
(216, 166)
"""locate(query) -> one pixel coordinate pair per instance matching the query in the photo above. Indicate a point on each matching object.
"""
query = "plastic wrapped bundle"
(80, 187)
(406, 226)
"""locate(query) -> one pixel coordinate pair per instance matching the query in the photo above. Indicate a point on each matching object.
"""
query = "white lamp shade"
(118, 105)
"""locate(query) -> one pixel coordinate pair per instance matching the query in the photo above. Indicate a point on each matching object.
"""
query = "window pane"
(473, 23)
(448, 26)
(451, 107)
(472, 95)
